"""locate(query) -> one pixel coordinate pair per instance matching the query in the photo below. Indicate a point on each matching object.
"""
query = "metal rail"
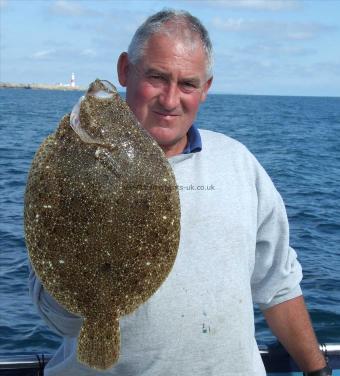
(275, 359)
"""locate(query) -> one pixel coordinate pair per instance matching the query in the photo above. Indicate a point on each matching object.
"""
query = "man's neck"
(175, 149)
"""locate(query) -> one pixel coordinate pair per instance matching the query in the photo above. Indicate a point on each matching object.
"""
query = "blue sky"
(279, 47)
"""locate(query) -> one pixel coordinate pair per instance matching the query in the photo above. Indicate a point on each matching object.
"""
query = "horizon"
(261, 47)
(121, 91)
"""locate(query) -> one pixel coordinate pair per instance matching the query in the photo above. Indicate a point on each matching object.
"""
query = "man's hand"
(290, 323)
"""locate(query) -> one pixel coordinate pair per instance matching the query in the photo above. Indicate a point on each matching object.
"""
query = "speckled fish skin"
(102, 219)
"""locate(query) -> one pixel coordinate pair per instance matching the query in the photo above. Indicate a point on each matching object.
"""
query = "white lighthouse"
(73, 80)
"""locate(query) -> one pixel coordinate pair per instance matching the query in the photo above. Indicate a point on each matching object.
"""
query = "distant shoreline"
(34, 86)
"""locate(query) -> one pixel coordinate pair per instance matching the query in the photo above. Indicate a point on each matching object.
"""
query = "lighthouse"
(73, 80)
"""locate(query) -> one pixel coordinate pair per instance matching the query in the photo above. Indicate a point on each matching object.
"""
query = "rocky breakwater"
(10, 85)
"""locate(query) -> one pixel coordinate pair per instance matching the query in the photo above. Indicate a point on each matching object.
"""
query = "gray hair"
(181, 23)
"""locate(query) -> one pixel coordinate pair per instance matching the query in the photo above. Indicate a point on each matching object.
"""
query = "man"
(234, 241)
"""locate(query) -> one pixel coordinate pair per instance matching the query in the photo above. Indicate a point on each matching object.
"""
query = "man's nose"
(170, 97)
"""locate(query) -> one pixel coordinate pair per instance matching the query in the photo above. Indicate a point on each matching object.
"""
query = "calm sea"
(297, 139)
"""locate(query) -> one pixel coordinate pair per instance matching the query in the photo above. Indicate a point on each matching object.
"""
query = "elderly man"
(234, 247)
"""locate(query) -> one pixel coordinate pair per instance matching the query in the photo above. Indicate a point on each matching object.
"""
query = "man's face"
(165, 89)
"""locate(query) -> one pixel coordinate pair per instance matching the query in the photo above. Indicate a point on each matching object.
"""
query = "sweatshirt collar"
(194, 143)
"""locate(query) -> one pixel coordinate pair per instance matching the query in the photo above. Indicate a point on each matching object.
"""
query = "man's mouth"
(166, 115)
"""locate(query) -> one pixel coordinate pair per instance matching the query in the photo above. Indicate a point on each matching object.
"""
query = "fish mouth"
(101, 89)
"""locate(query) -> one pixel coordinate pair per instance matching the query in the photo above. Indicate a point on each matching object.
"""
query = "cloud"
(243, 70)
(256, 5)
(267, 5)
(328, 67)
(3, 4)
(69, 53)
(44, 54)
(270, 29)
(88, 52)
(275, 49)
(72, 8)
(231, 24)
(115, 32)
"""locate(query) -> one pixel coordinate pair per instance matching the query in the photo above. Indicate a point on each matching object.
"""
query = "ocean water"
(297, 140)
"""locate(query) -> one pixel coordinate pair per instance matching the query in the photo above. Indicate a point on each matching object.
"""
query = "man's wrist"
(326, 371)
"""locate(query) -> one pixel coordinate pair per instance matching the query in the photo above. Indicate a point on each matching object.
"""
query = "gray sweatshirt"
(234, 252)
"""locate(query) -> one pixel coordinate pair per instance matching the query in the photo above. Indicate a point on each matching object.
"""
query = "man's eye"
(156, 77)
(156, 80)
(189, 86)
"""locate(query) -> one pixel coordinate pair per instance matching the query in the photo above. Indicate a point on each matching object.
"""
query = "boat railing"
(275, 359)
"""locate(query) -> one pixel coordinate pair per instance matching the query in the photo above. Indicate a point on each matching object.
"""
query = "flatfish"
(102, 218)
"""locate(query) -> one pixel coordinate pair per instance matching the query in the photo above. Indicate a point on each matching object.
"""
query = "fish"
(101, 218)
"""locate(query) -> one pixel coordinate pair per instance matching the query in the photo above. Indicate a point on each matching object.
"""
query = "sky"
(264, 47)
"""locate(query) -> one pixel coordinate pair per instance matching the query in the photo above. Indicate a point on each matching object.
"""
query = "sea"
(296, 139)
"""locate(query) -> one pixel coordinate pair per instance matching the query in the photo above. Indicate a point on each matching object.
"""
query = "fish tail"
(99, 342)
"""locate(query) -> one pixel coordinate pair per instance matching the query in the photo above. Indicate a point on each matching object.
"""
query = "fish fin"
(104, 155)
(77, 127)
(99, 342)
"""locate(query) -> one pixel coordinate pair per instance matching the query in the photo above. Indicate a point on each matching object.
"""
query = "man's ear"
(206, 87)
(122, 68)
